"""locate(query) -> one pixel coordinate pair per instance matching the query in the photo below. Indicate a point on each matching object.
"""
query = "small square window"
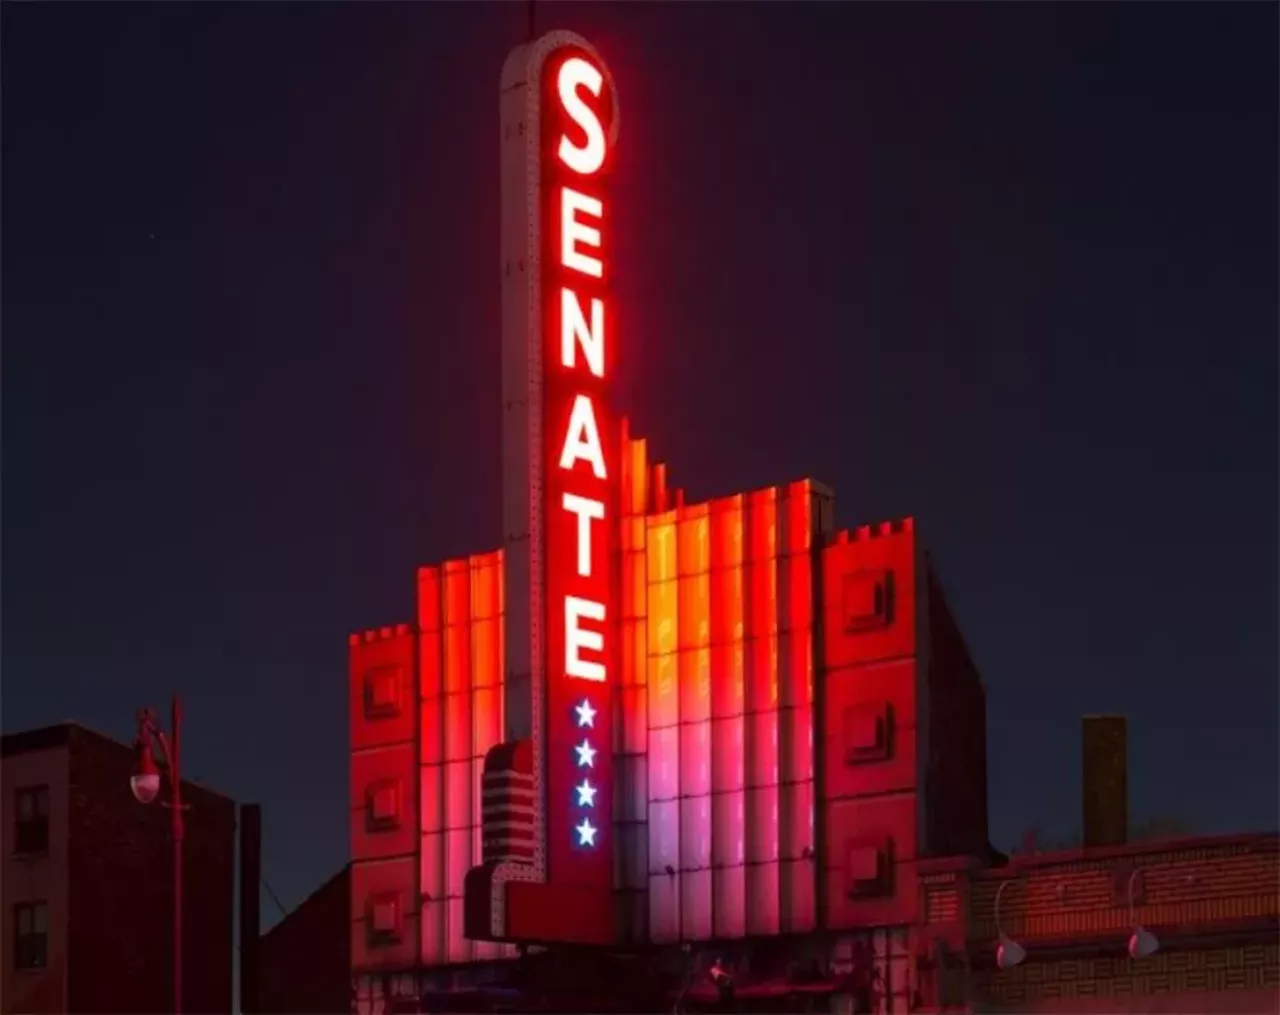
(868, 733)
(382, 692)
(382, 805)
(31, 820)
(865, 600)
(868, 868)
(30, 935)
(382, 917)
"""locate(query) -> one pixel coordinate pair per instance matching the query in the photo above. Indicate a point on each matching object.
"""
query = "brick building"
(88, 890)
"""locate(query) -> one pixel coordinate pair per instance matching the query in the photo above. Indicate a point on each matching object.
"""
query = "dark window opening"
(30, 935)
(31, 820)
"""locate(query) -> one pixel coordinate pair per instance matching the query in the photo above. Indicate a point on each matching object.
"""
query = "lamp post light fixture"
(1008, 952)
(1142, 943)
(145, 785)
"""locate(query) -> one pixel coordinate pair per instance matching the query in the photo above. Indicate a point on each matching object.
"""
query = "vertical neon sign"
(560, 493)
(578, 481)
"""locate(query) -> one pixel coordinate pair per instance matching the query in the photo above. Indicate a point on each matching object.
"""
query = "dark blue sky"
(1009, 268)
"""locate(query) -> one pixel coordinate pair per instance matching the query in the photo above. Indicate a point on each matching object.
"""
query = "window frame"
(31, 947)
(31, 831)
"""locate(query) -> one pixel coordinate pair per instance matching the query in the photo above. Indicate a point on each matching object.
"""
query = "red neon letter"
(576, 73)
(574, 330)
(576, 639)
(582, 439)
(587, 510)
(573, 232)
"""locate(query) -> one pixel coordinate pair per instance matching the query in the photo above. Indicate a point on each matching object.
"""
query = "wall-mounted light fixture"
(1142, 943)
(1008, 952)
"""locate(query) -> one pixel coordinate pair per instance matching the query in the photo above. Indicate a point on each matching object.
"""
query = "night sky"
(1011, 269)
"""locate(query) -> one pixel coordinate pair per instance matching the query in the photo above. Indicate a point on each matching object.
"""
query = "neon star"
(586, 754)
(586, 714)
(586, 833)
(586, 794)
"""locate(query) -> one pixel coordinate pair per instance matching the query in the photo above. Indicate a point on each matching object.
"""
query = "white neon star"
(586, 794)
(586, 714)
(586, 754)
(586, 833)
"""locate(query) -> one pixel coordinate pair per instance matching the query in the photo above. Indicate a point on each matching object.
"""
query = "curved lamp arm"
(999, 892)
(1133, 876)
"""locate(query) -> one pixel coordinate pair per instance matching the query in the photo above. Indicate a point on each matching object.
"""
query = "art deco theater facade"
(657, 728)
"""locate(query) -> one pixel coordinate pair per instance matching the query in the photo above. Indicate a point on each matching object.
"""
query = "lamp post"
(145, 784)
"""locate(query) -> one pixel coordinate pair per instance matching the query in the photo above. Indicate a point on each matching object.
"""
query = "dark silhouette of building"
(88, 882)
(304, 961)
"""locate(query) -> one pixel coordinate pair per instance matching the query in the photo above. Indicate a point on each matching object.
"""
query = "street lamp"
(145, 786)
(1008, 952)
(1142, 943)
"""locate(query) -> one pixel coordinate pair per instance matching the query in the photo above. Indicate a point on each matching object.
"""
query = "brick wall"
(1214, 905)
(305, 959)
(120, 876)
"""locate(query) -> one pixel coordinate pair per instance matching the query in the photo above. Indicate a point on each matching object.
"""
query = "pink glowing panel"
(762, 899)
(795, 668)
(695, 758)
(762, 824)
(695, 905)
(728, 829)
(458, 807)
(664, 907)
(795, 744)
(431, 867)
(795, 822)
(727, 753)
(459, 947)
(434, 914)
(664, 763)
(457, 859)
(729, 901)
(664, 836)
(457, 726)
(477, 799)
(695, 832)
(762, 748)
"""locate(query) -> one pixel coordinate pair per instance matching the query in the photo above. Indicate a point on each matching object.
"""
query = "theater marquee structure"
(610, 730)
(549, 872)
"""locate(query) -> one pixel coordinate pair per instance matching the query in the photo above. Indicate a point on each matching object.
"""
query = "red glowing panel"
(582, 469)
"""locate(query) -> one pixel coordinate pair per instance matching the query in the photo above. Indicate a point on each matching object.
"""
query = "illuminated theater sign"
(549, 866)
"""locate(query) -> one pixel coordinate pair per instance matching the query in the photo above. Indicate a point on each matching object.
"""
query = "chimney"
(250, 914)
(1105, 780)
